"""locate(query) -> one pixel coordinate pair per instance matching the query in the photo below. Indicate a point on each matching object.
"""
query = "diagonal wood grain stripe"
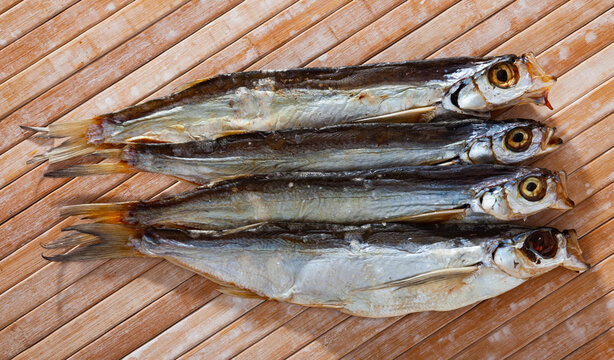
(68, 60)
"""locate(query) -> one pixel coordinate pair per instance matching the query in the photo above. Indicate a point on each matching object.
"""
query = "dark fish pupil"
(531, 186)
(518, 137)
(542, 242)
(502, 75)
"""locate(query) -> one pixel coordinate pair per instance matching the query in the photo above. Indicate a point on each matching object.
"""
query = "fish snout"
(574, 260)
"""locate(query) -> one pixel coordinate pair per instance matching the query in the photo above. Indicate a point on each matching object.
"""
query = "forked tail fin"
(97, 241)
(82, 139)
(109, 213)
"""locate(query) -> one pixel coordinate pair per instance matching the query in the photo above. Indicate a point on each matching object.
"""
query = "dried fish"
(372, 270)
(312, 98)
(334, 148)
(350, 197)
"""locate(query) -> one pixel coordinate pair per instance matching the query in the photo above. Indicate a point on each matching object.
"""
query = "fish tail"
(97, 241)
(84, 138)
(109, 213)
(91, 169)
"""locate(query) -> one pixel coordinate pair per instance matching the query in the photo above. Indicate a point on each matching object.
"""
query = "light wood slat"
(560, 22)
(245, 331)
(575, 43)
(510, 21)
(67, 304)
(81, 50)
(26, 15)
(599, 347)
(573, 332)
(342, 338)
(53, 33)
(455, 20)
(544, 315)
(292, 335)
(480, 320)
(364, 44)
(203, 323)
(7, 4)
(156, 317)
(341, 25)
(114, 308)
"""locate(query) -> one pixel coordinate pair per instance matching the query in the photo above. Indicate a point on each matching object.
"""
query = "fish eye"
(532, 188)
(518, 139)
(542, 242)
(503, 75)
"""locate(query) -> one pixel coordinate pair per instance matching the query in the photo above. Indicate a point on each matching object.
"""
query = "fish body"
(350, 197)
(373, 270)
(335, 148)
(312, 98)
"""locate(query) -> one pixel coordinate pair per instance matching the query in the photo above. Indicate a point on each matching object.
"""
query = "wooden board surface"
(67, 60)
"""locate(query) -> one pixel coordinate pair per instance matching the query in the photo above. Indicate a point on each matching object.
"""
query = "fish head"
(538, 251)
(532, 191)
(510, 81)
(520, 140)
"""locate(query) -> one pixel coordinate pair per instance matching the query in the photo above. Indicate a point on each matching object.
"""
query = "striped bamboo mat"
(63, 60)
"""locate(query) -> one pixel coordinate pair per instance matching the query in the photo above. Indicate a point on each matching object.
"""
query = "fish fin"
(231, 132)
(241, 228)
(435, 216)
(235, 291)
(448, 163)
(91, 169)
(425, 278)
(422, 114)
(96, 241)
(109, 213)
(144, 139)
(79, 134)
(190, 84)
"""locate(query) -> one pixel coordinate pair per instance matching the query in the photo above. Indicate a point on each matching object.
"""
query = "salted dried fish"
(312, 98)
(350, 197)
(372, 270)
(334, 148)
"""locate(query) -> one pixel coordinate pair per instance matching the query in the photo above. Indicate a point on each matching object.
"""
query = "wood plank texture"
(66, 60)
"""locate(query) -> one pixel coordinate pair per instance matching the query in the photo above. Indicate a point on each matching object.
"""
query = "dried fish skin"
(373, 270)
(412, 194)
(312, 98)
(335, 148)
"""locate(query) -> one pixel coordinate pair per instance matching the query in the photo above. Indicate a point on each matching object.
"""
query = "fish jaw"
(541, 81)
(550, 142)
(574, 260)
(564, 202)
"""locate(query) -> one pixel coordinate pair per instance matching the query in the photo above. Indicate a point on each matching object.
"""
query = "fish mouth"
(542, 82)
(574, 260)
(564, 202)
(550, 142)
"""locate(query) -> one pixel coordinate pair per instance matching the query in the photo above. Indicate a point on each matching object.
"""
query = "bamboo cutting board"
(63, 60)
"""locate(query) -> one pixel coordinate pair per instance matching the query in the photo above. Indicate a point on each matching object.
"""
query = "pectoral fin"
(428, 277)
(435, 216)
(422, 114)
